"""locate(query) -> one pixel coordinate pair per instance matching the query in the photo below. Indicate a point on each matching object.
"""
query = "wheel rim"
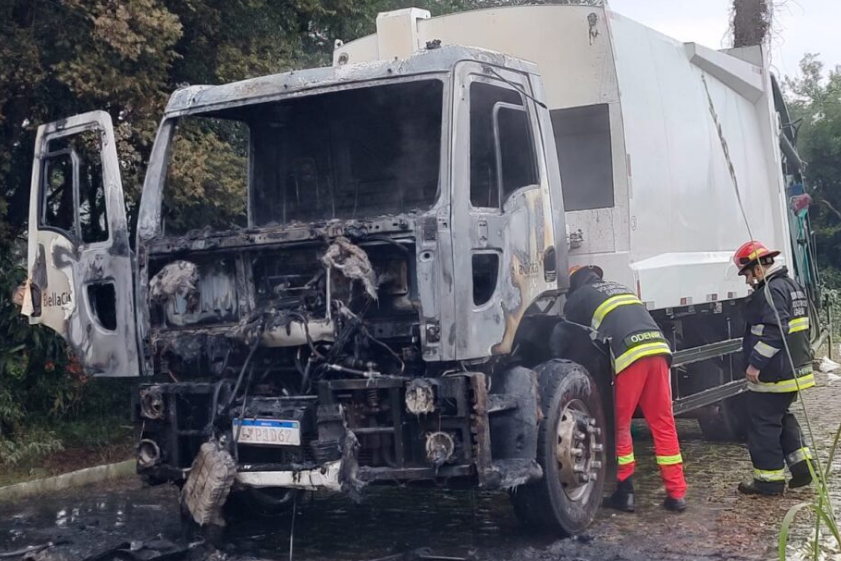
(578, 450)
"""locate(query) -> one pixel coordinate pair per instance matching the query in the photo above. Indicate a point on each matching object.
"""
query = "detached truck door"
(80, 272)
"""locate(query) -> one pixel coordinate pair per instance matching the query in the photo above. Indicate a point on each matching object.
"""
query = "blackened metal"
(481, 430)
(708, 397)
(408, 474)
(152, 403)
(397, 419)
(297, 466)
(430, 229)
(383, 382)
(705, 352)
(513, 427)
(501, 402)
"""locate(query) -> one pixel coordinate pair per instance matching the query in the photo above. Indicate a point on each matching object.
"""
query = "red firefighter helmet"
(595, 268)
(751, 253)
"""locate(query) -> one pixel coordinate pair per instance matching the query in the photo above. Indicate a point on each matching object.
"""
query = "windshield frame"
(443, 157)
(150, 216)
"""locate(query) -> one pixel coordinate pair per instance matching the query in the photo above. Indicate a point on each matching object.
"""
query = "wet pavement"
(719, 524)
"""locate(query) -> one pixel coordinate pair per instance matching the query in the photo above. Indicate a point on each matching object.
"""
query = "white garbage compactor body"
(647, 190)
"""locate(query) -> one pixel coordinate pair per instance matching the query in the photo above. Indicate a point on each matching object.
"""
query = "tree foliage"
(814, 99)
(63, 57)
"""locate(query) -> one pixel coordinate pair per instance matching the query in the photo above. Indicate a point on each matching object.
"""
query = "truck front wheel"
(570, 450)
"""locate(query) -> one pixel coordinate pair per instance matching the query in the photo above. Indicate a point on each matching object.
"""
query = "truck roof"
(199, 99)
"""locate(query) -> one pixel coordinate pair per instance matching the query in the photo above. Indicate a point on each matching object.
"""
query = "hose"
(244, 368)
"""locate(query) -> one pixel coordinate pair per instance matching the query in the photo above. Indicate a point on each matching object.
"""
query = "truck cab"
(380, 313)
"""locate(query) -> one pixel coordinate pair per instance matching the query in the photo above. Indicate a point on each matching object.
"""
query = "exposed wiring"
(305, 377)
(215, 403)
(306, 326)
(244, 368)
(386, 347)
(346, 370)
(242, 412)
(364, 330)
(388, 240)
(292, 529)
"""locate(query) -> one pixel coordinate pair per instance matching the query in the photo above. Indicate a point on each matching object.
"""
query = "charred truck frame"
(390, 313)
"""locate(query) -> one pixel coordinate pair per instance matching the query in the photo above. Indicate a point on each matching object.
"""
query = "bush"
(28, 447)
(45, 397)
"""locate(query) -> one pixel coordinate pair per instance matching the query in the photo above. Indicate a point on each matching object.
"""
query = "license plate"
(268, 432)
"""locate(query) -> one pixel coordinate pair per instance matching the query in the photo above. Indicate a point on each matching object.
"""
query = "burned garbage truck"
(383, 303)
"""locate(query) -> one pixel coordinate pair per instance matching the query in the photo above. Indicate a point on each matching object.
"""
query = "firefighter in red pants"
(778, 364)
(641, 358)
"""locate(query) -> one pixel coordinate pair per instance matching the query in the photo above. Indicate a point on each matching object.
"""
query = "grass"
(67, 446)
(822, 509)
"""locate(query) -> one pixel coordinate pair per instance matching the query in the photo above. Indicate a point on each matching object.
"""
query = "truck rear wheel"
(570, 450)
(726, 420)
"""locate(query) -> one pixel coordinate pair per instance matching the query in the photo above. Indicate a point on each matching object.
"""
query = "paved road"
(719, 525)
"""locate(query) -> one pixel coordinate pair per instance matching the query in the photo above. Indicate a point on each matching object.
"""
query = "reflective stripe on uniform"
(757, 329)
(625, 460)
(611, 304)
(630, 356)
(765, 349)
(770, 475)
(669, 460)
(799, 455)
(798, 324)
(801, 383)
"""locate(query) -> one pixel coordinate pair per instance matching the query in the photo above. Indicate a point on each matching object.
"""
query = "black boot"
(800, 474)
(675, 505)
(623, 498)
(756, 487)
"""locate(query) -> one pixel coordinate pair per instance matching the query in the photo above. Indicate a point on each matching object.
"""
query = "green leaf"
(785, 527)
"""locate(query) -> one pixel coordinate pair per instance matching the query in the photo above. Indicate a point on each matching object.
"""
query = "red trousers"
(646, 383)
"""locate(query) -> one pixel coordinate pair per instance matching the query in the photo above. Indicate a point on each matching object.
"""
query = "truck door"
(80, 273)
(503, 233)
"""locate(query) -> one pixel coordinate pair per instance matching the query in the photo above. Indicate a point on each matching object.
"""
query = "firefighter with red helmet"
(641, 357)
(778, 365)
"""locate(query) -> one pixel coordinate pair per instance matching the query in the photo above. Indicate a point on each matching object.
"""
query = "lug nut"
(598, 448)
(595, 464)
(584, 477)
(577, 452)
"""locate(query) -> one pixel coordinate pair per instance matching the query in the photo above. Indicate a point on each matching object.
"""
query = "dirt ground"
(719, 525)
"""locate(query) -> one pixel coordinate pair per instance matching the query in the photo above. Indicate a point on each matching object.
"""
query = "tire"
(560, 503)
(726, 421)
(266, 503)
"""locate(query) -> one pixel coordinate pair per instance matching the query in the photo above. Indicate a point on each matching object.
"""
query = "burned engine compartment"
(322, 332)
(209, 308)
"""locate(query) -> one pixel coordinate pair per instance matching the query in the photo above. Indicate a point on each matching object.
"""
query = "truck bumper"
(325, 477)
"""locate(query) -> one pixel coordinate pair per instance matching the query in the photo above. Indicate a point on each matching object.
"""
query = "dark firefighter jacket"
(616, 313)
(762, 345)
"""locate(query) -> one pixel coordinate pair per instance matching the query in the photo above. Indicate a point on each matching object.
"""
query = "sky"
(801, 26)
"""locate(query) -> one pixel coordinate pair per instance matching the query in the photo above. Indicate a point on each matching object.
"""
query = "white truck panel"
(575, 58)
(685, 217)
(675, 220)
